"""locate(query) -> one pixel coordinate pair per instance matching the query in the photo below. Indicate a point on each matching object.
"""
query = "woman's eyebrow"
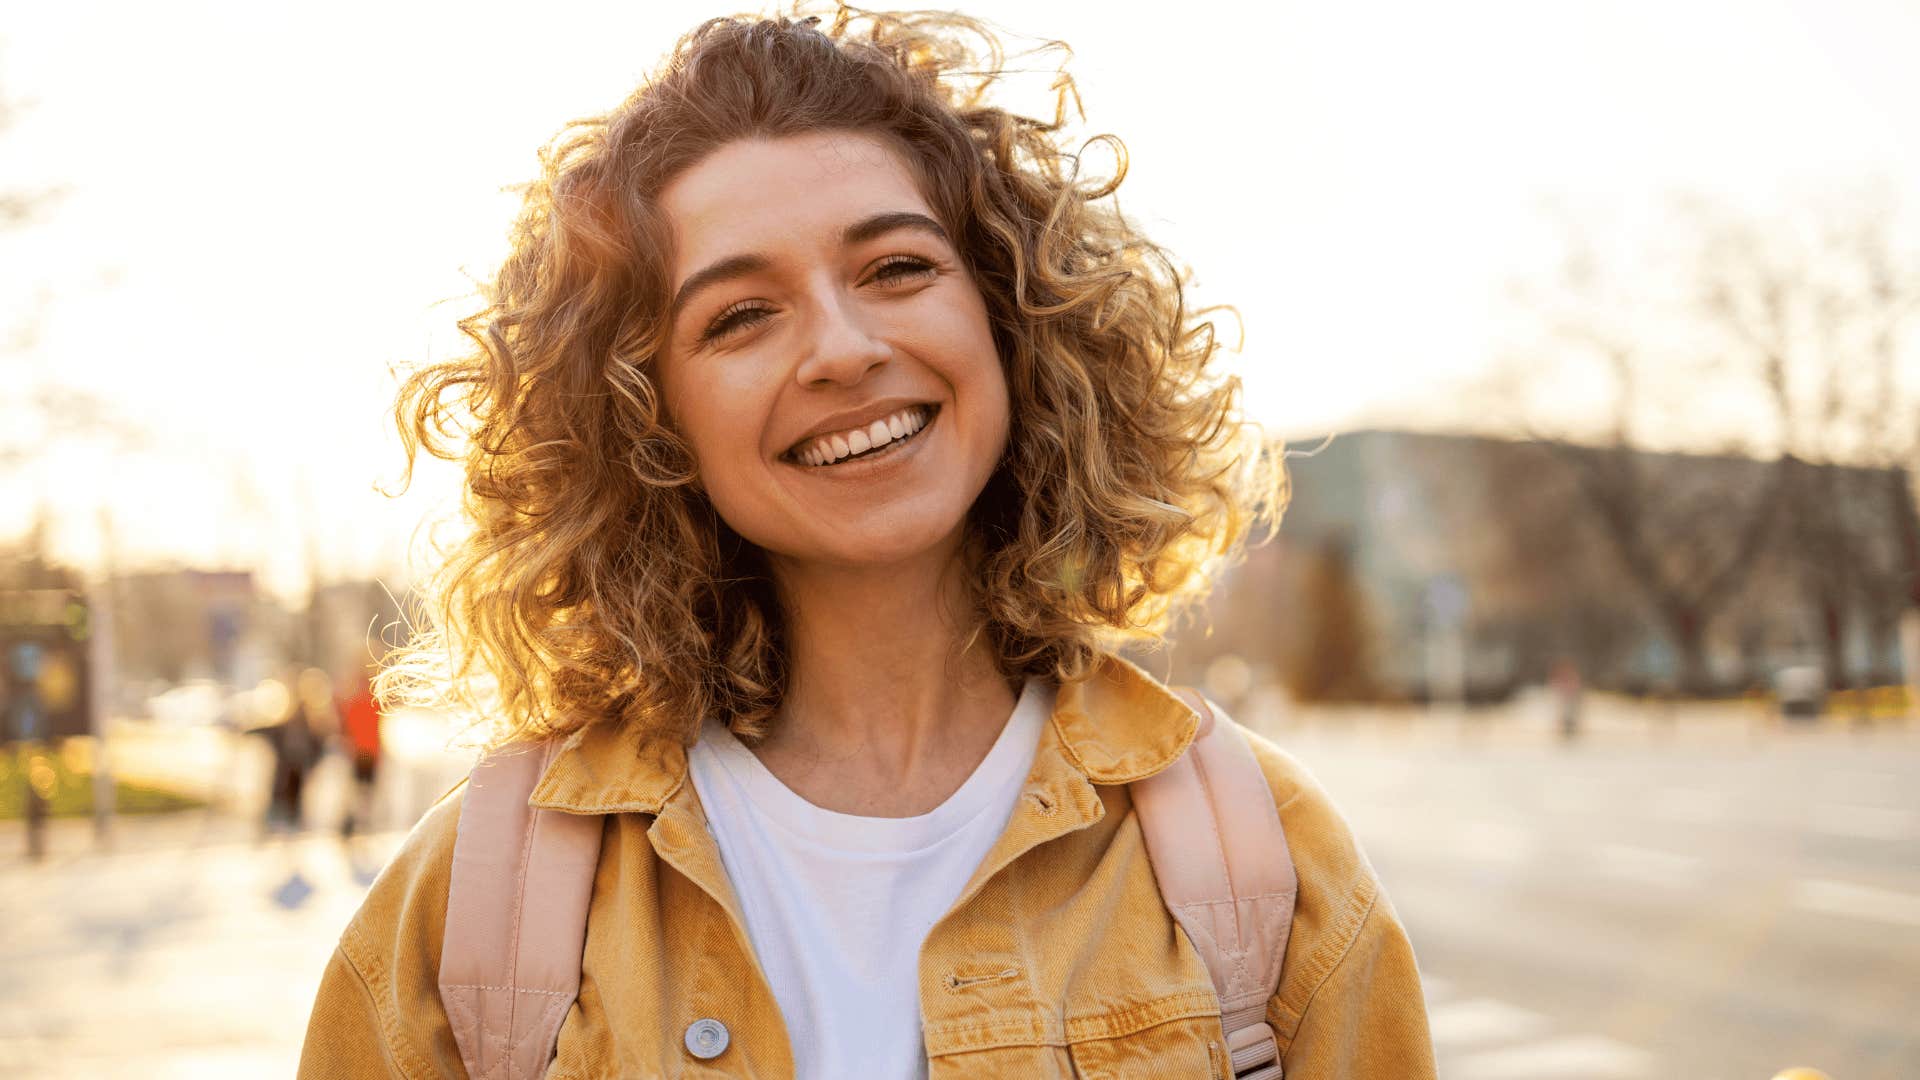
(881, 224)
(733, 266)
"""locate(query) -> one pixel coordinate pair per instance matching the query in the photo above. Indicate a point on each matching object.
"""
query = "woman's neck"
(885, 715)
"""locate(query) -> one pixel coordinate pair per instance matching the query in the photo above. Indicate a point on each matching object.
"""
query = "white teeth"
(828, 449)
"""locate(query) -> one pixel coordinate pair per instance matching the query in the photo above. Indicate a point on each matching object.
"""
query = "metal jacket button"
(706, 1039)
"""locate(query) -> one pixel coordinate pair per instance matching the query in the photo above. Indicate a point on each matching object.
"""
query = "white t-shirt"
(837, 905)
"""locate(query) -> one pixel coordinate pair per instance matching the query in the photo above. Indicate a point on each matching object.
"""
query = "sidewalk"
(188, 945)
(189, 950)
(1605, 720)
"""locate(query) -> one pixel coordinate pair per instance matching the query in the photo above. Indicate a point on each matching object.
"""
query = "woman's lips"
(878, 439)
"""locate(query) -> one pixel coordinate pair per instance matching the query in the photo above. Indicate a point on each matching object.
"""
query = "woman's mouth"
(879, 438)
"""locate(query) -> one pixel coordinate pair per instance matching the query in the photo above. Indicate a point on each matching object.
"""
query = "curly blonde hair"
(598, 585)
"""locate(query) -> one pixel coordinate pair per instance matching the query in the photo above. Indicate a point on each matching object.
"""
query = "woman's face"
(831, 363)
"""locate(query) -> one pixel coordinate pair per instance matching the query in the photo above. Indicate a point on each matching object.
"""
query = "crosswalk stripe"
(1856, 901)
(1649, 864)
(1589, 1056)
(1694, 806)
(1481, 1020)
(1492, 841)
(1864, 822)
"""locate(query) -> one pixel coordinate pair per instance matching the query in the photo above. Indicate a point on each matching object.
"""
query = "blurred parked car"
(195, 703)
(1802, 690)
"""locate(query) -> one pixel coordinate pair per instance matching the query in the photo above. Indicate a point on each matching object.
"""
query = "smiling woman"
(827, 433)
(838, 312)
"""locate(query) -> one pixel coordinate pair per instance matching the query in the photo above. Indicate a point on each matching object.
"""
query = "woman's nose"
(840, 349)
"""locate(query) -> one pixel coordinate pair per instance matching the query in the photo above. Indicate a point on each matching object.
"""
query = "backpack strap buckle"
(1255, 1052)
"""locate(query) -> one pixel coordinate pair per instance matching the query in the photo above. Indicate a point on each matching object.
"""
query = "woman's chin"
(878, 545)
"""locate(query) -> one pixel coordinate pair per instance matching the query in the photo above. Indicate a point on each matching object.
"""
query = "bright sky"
(265, 201)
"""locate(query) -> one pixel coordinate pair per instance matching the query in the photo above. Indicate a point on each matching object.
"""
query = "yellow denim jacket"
(1058, 959)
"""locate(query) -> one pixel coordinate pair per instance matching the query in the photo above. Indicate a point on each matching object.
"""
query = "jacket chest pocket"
(1190, 1047)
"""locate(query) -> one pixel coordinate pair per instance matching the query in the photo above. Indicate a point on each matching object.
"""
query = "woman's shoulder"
(394, 936)
(412, 888)
(1326, 854)
(1340, 899)
(384, 979)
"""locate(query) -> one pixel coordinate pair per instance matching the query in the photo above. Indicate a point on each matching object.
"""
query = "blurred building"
(349, 625)
(1414, 565)
(180, 625)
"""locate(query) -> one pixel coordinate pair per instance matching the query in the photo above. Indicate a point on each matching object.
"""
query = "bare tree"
(1330, 659)
(1820, 310)
(45, 411)
(1685, 535)
(48, 412)
(1782, 349)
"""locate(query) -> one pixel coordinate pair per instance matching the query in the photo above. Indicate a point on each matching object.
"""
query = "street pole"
(1910, 660)
(101, 646)
(1447, 675)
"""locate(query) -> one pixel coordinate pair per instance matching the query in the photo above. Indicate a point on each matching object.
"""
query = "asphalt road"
(1656, 906)
(1718, 903)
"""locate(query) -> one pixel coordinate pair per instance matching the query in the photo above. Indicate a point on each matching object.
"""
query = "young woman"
(826, 431)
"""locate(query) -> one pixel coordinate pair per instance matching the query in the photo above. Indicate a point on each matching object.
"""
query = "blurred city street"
(1707, 900)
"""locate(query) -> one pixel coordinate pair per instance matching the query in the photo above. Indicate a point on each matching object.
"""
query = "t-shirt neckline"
(1005, 764)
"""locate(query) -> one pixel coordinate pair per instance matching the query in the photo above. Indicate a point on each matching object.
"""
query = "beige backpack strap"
(1220, 855)
(510, 963)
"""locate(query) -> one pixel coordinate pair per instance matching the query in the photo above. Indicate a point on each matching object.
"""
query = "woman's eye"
(899, 268)
(737, 317)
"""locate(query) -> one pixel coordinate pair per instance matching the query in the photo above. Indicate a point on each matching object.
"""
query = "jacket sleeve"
(1368, 1019)
(1349, 1005)
(344, 1036)
(378, 1012)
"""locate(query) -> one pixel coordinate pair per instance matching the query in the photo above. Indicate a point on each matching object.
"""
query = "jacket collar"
(1116, 726)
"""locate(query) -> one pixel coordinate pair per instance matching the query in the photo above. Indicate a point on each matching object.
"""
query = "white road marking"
(1576, 1055)
(1482, 1020)
(1861, 783)
(1649, 864)
(1491, 841)
(1864, 822)
(1695, 806)
(1857, 901)
(1569, 799)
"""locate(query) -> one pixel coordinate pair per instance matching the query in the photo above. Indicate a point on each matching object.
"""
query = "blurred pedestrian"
(1567, 693)
(289, 740)
(298, 741)
(360, 736)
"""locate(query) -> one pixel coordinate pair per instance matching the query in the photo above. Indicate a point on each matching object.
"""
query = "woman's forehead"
(752, 195)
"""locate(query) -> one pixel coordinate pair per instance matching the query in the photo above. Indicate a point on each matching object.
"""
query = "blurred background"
(1593, 331)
